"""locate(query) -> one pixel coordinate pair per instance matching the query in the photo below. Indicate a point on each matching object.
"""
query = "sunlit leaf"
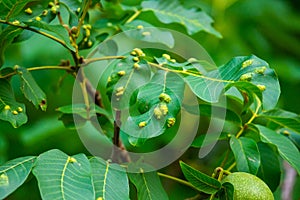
(13, 174)
(64, 177)
(173, 12)
(141, 30)
(110, 180)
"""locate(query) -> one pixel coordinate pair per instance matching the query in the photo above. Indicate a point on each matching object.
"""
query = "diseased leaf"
(10, 109)
(13, 174)
(201, 181)
(31, 90)
(148, 185)
(246, 154)
(141, 30)
(110, 180)
(64, 177)
(251, 69)
(285, 147)
(57, 29)
(173, 12)
(11, 8)
(149, 107)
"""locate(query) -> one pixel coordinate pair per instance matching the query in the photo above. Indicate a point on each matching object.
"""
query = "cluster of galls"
(53, 9)
(144, 33)
(161, 110)
(87, 33)
(137, 53)
(14, 112)
(248, 76)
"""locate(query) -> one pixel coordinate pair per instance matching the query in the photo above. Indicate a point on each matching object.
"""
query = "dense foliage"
(130, 89)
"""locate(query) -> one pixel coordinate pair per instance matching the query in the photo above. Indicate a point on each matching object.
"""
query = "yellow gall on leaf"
(45, 12)
(247, 63)
(142, 124)
(38, 18)
(166, 56)
(286, 132)
(14, 112)
(140, 27)
(120, 93)
(133, 53)
(246, 77)
(72, 160)
(16, 22)
(90, 43)
(136, 66)
(261, 87)
(165, 97)
(100, 198)
(121, 73)
(28, 11)
(78, 9)
(157, 113)
(139, 52)
(261, 70)
(171, 121)
(6, 107)
(136, 59)
(119, 89)
(146, 33)
(164, 108)
(20, 109)
(173, 60)
(108, 79)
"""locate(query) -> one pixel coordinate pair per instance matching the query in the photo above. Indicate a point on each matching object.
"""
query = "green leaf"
(13, 174)
(148, 185)
(149, 108)
(11, 8)
(280, 119)
(227, 192)
(269, 170)
(201, 181)
(6, 38)
(141, 30)
(63, 177)
(31, 90)
(10, 110)
(110, 180)
(285, 147)
(209, 86)
(246, 154)
(57, 29)
(173, 12)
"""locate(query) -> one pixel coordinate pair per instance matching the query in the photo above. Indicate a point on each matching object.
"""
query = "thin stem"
(81, 20)
(135, 15)
(231, 167)
(183, 182)
(188, 73)
(39, 68)
(225, 158)
(39, 32)
(91, 60)
(251, 119)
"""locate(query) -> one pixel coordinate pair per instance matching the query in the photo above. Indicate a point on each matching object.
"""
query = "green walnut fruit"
(248, 187)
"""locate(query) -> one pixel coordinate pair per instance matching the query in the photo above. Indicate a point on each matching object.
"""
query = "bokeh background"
(269, 29)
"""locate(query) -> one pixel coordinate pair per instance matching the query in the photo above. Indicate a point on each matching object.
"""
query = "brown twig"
(119, 152)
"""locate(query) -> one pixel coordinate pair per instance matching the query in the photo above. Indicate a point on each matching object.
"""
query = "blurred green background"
(269, 29)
